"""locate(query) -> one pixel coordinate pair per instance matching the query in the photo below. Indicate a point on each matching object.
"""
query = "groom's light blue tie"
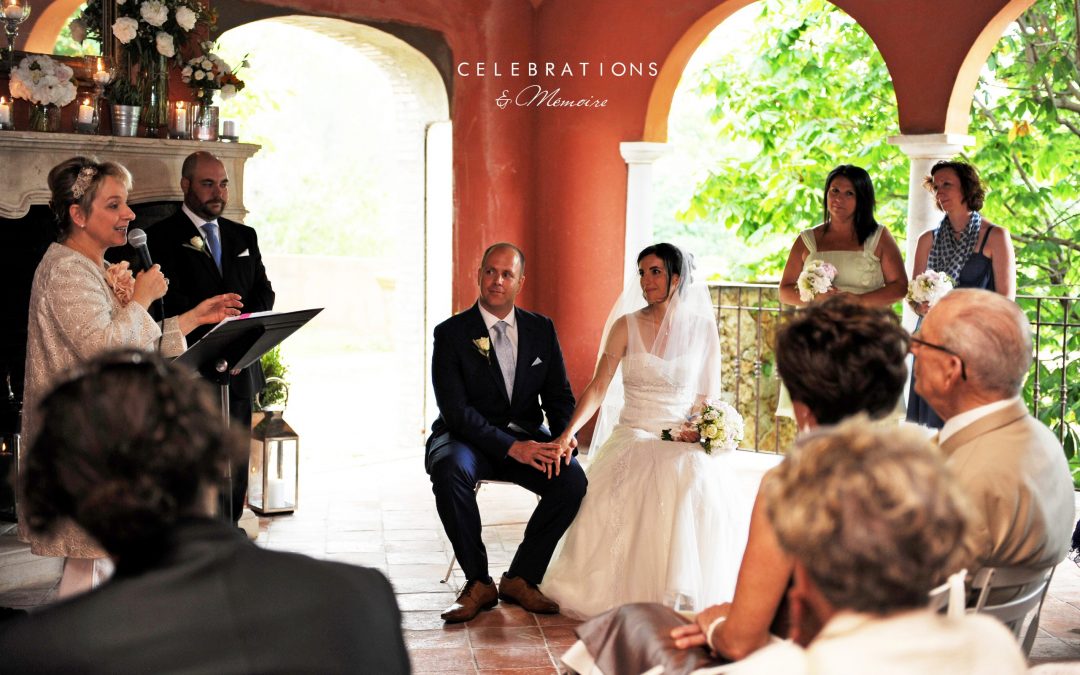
(213, 241)
(505, 352)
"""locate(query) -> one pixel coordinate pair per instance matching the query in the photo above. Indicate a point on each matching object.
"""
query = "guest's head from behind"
(205, 184)
(128, 447)
(955, 184)
(849, 195)
(500, 277)
(839, 358)
(664, 269)
(973, 348)
(89, 198)
(870, 515)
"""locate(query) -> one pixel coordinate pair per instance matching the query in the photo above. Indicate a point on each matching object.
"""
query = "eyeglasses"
(941, 348)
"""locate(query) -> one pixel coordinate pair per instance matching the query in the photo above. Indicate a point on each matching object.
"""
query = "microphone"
(137, 240)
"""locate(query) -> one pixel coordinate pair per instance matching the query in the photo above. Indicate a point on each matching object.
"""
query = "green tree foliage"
(818, 94)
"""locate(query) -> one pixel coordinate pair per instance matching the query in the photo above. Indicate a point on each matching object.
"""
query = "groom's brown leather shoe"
(521, 592)
(476, 596)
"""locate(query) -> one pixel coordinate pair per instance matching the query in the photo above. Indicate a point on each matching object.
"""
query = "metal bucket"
(125, 120)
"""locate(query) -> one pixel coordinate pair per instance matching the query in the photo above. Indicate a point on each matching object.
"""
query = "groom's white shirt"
(511, 332)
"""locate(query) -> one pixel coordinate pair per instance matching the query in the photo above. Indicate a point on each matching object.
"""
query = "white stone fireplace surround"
(26, 158)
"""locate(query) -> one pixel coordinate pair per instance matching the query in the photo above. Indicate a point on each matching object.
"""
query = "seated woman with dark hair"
(873, 522)
(132, 450)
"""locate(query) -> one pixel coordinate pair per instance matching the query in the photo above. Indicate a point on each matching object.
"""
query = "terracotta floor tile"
(500, 636)
(503, 616)
(559, 636)
(453, 660)
(556, 620)
(512, 657)
(520, 671)
(438, 638)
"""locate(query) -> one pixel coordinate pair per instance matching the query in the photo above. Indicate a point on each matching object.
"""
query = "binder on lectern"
(240, 341)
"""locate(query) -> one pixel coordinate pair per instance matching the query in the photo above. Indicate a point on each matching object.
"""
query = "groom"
(497, 371)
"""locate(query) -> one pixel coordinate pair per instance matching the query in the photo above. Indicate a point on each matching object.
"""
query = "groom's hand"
(540, 456)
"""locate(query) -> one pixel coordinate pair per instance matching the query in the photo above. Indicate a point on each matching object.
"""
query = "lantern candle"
(86, 112)
(275, 493)
(228, 129)
(178, 122)
(5, 113)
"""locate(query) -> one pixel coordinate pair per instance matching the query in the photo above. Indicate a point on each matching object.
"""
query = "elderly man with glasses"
(972, 354)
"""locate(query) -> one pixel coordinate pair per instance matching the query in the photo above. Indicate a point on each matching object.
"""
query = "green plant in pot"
(126, 100)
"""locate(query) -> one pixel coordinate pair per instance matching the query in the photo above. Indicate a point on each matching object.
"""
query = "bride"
(661, 521)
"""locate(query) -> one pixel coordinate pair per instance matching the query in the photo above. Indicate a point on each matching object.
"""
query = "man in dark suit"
(202, 255)
(497, 370)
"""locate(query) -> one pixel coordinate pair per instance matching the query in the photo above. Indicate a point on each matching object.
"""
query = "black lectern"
(235, 344)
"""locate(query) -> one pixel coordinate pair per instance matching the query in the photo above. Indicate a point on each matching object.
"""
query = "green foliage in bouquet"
(276, 391)
(122, 92)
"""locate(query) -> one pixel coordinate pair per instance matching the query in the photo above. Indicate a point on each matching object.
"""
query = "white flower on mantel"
(154, 13)
(165, 45)
(41, 80)
(227, 92)
(125, 29)
(120, 2)
(78, 30)
(185, 18)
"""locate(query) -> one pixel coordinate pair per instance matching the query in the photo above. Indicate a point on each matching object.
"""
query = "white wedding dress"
(661, 521)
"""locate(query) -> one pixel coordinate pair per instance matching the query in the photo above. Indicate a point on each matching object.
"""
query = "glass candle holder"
(86, 118)
(5, 114)
(205, 122)
(180, 119)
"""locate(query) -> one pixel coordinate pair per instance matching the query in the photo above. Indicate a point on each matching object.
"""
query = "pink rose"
(121, 281)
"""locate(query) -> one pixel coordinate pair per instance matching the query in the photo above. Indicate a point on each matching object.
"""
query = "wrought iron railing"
(748, 315)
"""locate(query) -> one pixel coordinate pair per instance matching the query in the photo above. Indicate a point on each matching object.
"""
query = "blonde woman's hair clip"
(82, 183)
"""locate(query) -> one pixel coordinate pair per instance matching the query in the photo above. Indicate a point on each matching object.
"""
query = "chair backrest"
(1024, 590)
(948, 598)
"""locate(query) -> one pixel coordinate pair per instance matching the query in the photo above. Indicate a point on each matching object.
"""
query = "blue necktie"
(213, 241)
(505, 352)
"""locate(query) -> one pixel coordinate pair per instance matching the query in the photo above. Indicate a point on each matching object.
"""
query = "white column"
(639, 157)
(923, 151)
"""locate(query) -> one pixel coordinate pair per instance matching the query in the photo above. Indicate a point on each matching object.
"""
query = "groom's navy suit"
(477, 424)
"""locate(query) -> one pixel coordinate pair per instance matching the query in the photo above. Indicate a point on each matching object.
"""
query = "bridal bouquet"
(929, 287)
(715, 424)
(817, 277)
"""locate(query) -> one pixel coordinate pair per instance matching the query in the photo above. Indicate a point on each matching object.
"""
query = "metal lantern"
(274, 483)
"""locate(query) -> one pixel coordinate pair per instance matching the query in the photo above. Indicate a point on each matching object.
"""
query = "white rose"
(185, 18)
(125, 29)
(165, 45)
(199, 75)
(120, 2)
(207, 64)
(227, 92)
(710, 431)
(154, 13)
(186, 72)
(77, 28)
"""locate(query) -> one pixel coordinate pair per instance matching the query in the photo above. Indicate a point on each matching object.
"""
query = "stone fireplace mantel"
(26, 158)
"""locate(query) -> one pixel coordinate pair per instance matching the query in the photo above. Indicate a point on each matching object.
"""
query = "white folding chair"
(948, 598)
(480, 484)
(1025, 590)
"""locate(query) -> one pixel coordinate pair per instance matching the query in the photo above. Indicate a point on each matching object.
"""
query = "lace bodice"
(656, 394)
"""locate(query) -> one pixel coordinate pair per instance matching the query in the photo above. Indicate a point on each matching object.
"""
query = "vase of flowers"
(151, 34)
(206, 74)
(47, 85)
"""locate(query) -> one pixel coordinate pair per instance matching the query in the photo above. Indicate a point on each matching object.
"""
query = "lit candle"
(228, 128)
(13, 10)
(86, 113)
(181, 116)
(5, 112)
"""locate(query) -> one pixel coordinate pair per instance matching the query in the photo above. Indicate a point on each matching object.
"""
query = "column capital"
(642, 152)
(933, 146)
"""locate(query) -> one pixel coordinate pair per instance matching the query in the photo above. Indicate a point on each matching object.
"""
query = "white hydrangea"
(41, 80)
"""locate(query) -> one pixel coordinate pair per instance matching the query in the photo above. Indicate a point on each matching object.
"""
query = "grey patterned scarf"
(949, 255)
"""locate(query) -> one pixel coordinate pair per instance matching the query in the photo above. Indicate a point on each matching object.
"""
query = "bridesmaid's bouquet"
(929, 287)
(715, 424)
(816, 277)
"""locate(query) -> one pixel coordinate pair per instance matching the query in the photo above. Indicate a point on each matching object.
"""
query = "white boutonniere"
(483, 345)
(196, 243)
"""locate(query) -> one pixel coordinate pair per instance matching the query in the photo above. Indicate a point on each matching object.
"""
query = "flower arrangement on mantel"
(150, 32)
(43, 82)
(208, 73)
